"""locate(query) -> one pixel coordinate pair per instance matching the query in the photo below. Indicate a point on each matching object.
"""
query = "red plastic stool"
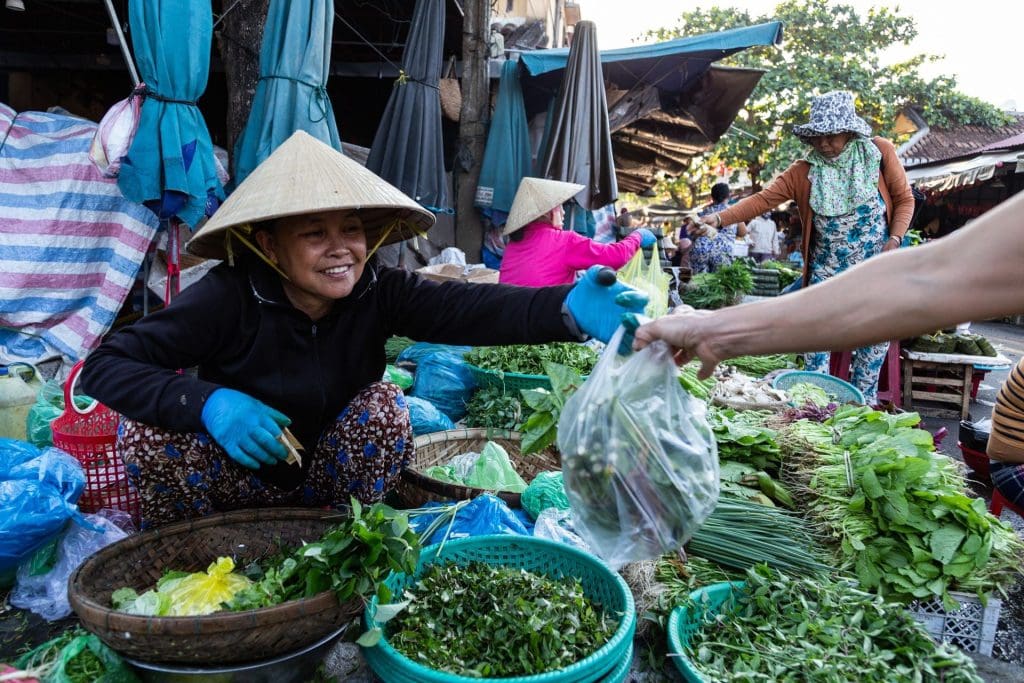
(999, 502)
(888, 378)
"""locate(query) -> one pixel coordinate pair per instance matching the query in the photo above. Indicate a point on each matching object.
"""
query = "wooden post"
(476, 100)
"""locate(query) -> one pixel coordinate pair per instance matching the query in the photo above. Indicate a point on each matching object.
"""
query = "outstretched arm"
(975, 273)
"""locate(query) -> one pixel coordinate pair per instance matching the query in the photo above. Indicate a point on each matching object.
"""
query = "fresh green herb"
(697, 388)
(494, 408)
(740, 534)
(394, 346)
(75, 656)
(352, 559)
(531, 359)
(759, 366)
(719, 289)
(486, 621)
(742, 436)
(541, 428)
(786, 629)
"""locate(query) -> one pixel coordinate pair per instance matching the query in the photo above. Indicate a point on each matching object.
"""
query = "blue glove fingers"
(647, 238)
(239, 456)
(280, 419)
(632, 300)
(252, 448)
(270, 446)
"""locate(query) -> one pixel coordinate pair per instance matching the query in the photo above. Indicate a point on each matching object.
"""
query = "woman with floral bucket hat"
(289, 332)
(854, 201)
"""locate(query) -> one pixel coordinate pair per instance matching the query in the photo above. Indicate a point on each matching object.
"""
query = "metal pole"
(122, 42)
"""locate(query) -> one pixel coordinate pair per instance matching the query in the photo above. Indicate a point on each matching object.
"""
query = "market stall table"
(942, 378)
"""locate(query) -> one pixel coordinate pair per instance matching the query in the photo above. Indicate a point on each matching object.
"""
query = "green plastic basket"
(686, 620)
(538, 555)
(511, 382)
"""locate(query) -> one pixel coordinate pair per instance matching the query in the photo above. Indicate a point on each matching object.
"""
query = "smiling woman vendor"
(289, 332)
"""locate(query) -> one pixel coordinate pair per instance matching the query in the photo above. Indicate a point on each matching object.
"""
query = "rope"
(161, 98)
(403, 77)
(319, 95)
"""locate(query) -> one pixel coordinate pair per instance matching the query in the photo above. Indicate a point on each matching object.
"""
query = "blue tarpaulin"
(507, 155)
(170, 165)
(664, 56)
(291, 94)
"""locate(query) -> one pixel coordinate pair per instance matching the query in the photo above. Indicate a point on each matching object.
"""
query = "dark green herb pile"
(351, 559)
(721, 288)
(487, 621)
(495, 408)
(529, 359)
(788, 630)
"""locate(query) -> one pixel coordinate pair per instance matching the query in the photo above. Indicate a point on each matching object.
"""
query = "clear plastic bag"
(47, 594)
(638, 456)
(556, 525)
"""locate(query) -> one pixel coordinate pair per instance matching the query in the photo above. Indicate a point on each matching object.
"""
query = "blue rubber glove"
(598, 301)
(246, 428)
(647, 238)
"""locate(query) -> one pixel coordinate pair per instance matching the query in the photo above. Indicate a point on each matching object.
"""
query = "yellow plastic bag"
(650, 279)
(203, 593)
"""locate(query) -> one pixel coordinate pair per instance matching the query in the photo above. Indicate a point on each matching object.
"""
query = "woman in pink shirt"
(541, 253)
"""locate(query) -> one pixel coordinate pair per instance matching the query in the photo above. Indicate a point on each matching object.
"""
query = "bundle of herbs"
(540, 428)
(907, 529)
(489, 621)
(786, 629)
(721, 288)
(530, 359)
(759, 366)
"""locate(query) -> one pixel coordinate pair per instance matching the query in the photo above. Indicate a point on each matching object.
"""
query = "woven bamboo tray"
(220, 638)
(437, 448)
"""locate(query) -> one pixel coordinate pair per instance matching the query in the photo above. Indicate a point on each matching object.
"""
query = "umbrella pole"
(122, 42)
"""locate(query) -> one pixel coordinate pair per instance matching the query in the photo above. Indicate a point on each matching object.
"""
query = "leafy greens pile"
(759, 366)
(786, 629)
(487, 621)
(530, 359)
(495, 408)
(907, 529)
(720, 288)
(742, 436)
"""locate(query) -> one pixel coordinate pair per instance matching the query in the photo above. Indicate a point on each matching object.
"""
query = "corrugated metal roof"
(942, 144)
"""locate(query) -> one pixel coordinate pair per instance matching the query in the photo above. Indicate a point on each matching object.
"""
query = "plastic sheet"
(37, 497)
(403, 378)
(444, 379)
(493, 471)
(114, 135)
(638, 455)
(47, 594)
(426, 418)
(547, 490)
(556, 525)
(484, 515)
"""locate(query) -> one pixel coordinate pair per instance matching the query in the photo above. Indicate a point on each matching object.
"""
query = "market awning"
(667, 101)
(958, 174)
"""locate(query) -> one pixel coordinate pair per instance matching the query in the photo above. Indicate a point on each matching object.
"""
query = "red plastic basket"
(976, 460)
(90, 437)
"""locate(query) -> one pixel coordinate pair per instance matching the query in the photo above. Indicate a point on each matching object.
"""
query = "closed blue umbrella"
(507, 154)
(291, 93)
(407, 149)
(170, 165)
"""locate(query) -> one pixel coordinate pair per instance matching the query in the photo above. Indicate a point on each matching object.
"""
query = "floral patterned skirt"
(182, 476)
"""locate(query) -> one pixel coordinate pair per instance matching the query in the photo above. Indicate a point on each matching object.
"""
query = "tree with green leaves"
(826, 47)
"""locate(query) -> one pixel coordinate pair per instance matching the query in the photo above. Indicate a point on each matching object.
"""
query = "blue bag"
(37, 497)
(412, 355)
(426, 418)
(444, 379)
(485, 515)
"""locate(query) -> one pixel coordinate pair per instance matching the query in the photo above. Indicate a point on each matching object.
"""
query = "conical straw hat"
(534, 198)
(304, 175)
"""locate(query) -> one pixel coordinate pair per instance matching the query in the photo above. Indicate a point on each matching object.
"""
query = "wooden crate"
(937, 389)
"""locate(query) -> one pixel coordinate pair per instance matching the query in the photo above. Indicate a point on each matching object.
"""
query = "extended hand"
(598, 301)
(689, 332)
(244, 427)
(647, 238)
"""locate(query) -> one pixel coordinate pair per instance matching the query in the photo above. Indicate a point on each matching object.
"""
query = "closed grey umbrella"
(407, 149)
(579, 148)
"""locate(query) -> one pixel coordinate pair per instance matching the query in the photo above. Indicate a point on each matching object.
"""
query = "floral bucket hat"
(833, 113)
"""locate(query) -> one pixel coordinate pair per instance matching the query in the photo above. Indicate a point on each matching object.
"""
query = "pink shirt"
(551, 256)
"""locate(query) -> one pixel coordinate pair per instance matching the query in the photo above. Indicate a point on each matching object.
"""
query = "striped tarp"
(70, 243)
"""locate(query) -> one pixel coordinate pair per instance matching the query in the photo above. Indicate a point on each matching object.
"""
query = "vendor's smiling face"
(323, 255)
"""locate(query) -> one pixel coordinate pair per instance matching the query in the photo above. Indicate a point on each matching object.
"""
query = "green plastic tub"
(537, 555)
(686, 620)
